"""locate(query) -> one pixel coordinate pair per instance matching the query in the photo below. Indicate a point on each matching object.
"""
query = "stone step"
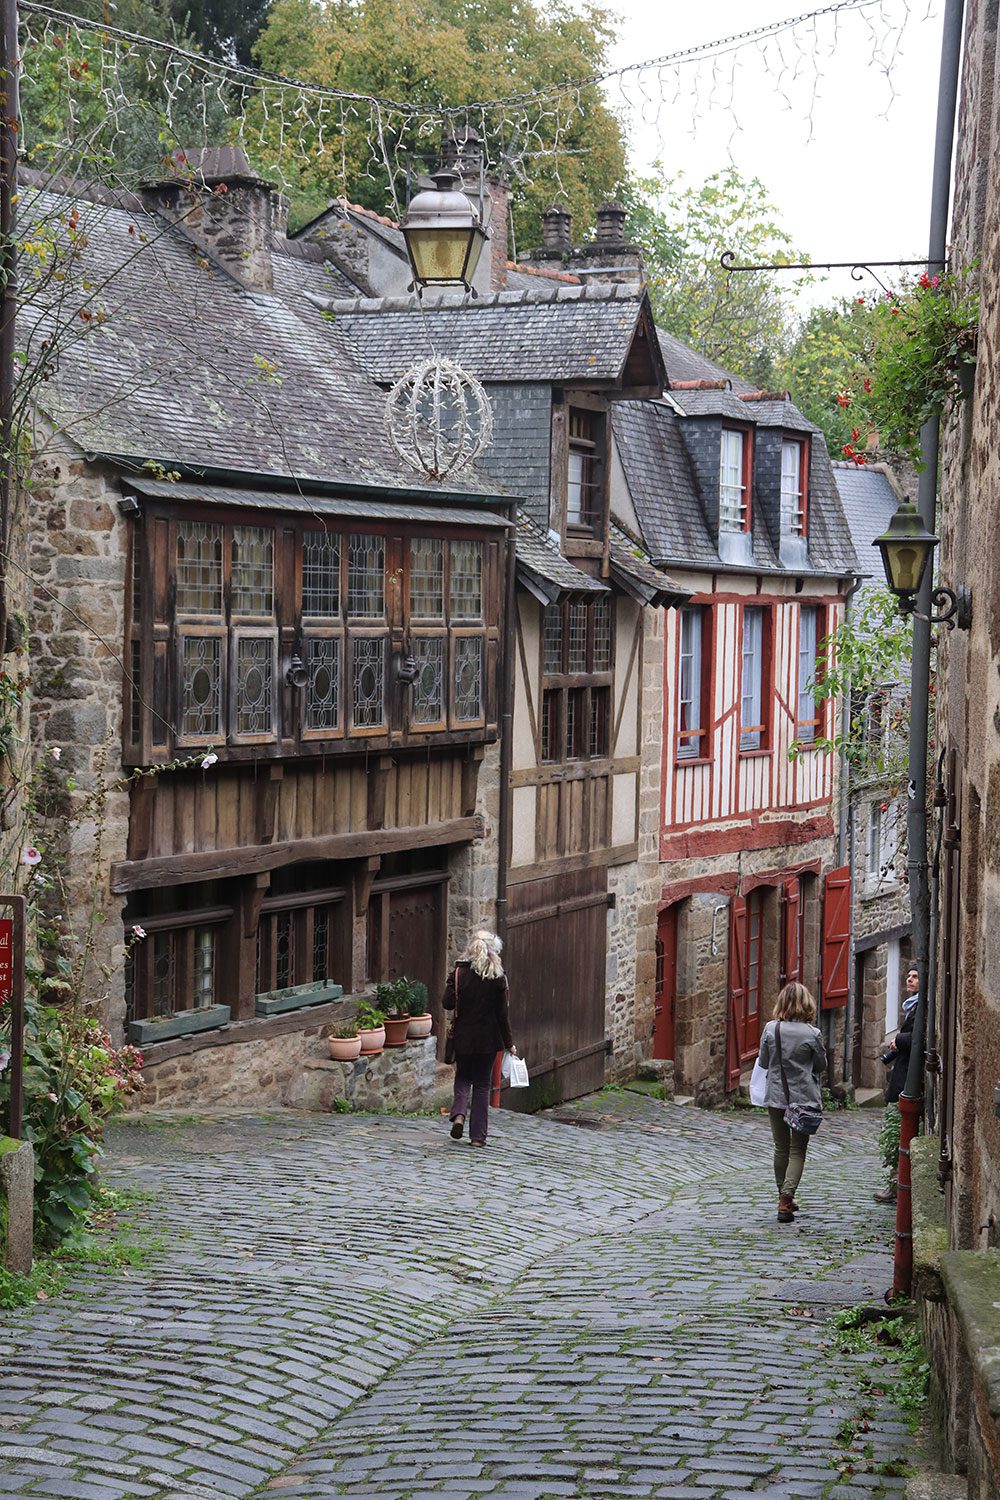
(869, 1098)
(937, 1487)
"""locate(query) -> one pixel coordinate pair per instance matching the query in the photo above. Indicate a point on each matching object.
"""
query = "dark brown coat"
(481, 1020)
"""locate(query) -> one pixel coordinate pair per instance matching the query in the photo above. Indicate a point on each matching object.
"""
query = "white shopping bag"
(758, 1084)
(518, 1072)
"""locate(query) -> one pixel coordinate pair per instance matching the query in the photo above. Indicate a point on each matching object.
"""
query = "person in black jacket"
(477, 993)
(897, 1058)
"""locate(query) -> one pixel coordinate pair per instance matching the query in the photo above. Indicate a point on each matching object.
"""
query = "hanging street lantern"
(444, 237)
(906, 549)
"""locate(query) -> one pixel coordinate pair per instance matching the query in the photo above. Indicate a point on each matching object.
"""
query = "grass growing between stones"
(108, 1242)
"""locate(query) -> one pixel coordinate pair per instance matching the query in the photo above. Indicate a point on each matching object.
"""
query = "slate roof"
(554, 334)
(633, 572)
(869, 499)
(710, 404)
(687, 364)
(186, 367)
(544, 571)
(779, 413)
(304, 502)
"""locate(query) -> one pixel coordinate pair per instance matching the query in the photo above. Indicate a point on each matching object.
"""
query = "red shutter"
(737, 989)
(836, 937)
(791, 958)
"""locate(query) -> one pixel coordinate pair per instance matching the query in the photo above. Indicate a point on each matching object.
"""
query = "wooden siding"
(726, 784)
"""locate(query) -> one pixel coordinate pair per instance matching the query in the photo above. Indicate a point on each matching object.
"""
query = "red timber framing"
(726, 798)
(836, 938)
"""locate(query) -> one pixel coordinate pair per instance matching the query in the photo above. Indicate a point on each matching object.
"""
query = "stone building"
(872, 825)
(957, 1166)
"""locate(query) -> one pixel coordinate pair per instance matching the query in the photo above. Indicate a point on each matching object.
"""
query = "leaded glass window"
(163, 974)
(552, 638)
(204, 967)
(466, 580)
(321, 943)
(253, 570)
(602, 635)
(135, 693)
(283, 927)
(468, 677)
(254, 685)
(323, 691)
(427, 706)
(201, 687)
(366, 577)
(426, 579)
(578, 638)
(199, 568)
(368, 682)
(320, 574)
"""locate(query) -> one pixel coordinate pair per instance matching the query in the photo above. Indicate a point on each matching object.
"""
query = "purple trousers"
(473, 1073)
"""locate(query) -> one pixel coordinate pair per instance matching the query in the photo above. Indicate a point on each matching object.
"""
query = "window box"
(276, 1002)
(182, 1023)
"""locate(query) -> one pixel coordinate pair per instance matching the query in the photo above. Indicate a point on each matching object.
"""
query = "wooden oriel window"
(735, 478)
(219, 612)
(693, 675)
(809, 713)
(175, 964)
(794, 486)
(585, 473)
(577, 664)
(297, 936)
(754, 695)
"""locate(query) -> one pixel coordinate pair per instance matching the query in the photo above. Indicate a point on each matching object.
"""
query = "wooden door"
(407, 935)
(836, 938)
(746, 937)
(791, 931)
(556, 956)
(666, 983)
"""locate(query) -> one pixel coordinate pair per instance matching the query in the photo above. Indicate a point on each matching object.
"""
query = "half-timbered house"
(300, 755)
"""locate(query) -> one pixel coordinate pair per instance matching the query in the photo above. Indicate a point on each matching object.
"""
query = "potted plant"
(391, 998)
(371, 1029)
(420, 1016)
(344, 1043)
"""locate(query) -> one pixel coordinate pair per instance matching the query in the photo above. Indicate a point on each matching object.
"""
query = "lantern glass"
(906, 548)
(445, 256)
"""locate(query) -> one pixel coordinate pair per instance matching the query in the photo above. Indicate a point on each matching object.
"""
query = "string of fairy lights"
(85, 79)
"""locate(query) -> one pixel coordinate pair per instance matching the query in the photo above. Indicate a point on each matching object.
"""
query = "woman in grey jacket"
(804, 1057)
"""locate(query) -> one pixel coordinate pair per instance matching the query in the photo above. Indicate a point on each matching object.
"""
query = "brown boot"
(786, 1211)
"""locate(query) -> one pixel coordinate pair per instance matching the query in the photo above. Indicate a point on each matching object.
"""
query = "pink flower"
(54, 1098)
(138, 932)
(55, 752)
(208, 761)
(30, 855)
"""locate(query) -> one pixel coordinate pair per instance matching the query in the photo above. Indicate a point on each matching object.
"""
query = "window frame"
(592, 449)
(155, 634)
(573, 697)
(762, 729)
(704, 749)
(796, 440)
(181, 928)
(817, 723)
(746, 435)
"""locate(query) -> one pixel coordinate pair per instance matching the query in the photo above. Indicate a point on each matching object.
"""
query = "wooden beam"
(268, 785)
(140, 820)
(364, 874)
(223, 864)
(378, 779)
(470, 779)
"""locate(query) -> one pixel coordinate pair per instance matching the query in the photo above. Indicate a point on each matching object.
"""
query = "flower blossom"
(208, 761)
(30, 855)
(138, 932)
(55, 752)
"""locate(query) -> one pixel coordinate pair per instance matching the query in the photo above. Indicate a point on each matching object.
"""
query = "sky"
(849, 170)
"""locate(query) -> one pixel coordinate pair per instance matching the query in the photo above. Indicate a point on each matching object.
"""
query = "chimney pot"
(462, 152)
(557, 227)
(611, 223)
(216, 199)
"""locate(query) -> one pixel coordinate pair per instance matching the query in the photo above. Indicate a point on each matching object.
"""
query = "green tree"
(821, 364)
(443, 53)
(226, 29)
(739, 319)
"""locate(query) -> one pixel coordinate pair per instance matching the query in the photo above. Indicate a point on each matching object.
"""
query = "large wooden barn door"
(836, 937)
(557, 935)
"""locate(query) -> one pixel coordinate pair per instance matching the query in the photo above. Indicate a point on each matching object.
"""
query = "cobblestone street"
(354, 1305)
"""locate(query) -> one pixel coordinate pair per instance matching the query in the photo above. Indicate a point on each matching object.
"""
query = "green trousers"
(789, 1153)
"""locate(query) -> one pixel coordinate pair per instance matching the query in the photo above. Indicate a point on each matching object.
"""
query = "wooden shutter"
(836, 937)
(791, 958)
(737, 988)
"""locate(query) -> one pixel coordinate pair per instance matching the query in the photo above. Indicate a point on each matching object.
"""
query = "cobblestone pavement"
(354, 1305)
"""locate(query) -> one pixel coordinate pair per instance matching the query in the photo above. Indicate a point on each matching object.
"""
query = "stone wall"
(76, 541)
(702, 997)
(472, 897)
(623, 928)
(400, 1078)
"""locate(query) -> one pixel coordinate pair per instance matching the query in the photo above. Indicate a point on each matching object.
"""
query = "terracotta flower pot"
(344, 1048)
(419, 1027)
(372, 1041)
(395, 1031)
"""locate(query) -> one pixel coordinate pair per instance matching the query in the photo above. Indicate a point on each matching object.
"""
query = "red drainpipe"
(910, 1114)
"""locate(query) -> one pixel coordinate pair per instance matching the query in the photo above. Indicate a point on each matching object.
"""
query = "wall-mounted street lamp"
(443, 234)
(906, 549)
(297, 675)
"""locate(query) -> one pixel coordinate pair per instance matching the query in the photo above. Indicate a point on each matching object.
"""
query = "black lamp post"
(444, 237)
(906, 549)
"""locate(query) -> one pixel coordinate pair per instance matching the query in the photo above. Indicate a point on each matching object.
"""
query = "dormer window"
(583, 487)
(734, 480)
(794, 486)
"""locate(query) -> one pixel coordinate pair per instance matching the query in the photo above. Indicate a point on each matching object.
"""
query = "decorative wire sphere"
(438, 417)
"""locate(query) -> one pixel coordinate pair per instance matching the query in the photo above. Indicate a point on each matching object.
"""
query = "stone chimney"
(611, 223)
(557, 228)
(215, 199)
(608, 258)
(462, 152)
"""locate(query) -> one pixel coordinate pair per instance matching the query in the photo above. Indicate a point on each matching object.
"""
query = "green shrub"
(75, 1080)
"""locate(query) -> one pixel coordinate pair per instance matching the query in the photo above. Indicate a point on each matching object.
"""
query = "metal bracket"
(954, 608)
(858, 268)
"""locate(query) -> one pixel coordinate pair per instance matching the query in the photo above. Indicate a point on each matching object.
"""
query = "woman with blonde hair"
(792, 1051)
(477, 994)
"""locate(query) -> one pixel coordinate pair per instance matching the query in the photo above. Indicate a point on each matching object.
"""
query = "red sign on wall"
(6, 959)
